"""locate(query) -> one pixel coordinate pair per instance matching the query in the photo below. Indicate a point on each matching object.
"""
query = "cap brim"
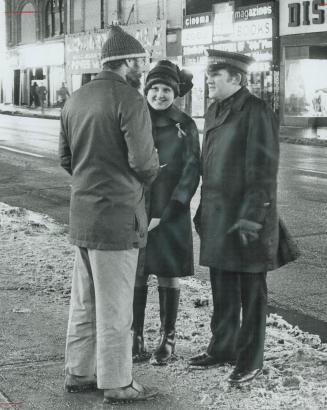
(123, 57)
(211, 68)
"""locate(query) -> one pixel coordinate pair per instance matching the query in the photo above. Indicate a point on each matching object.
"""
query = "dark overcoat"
(106, 144)
(169, 251)
(240, 157)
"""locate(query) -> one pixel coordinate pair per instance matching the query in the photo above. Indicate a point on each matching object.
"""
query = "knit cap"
(120, 45)
(169, 73)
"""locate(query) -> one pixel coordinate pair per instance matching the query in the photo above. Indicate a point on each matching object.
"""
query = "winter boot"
(169, 301)
(139, 350)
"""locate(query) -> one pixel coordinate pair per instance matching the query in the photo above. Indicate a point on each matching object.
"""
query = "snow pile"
(35, 252)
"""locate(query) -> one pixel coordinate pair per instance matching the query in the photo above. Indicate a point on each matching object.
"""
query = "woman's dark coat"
(240, 157)
(169, 250)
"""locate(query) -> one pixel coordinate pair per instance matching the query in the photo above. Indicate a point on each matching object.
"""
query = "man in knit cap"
(106, 145)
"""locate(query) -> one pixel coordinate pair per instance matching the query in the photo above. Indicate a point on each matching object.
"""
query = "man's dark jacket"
(240, 155)
(106, 144)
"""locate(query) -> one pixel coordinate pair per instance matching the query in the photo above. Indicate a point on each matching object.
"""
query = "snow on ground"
(35, 252)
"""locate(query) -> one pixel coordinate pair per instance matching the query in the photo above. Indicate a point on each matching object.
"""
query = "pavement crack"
(307, 235)
(36, 362)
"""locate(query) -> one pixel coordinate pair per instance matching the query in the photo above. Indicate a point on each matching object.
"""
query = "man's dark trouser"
(231, 340)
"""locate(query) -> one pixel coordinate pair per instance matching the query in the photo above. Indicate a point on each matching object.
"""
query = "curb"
(283, 138)
(303, 141)
(31, 115)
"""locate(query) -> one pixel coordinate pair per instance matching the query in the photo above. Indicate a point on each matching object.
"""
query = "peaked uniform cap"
(120, 45)
(217, 59)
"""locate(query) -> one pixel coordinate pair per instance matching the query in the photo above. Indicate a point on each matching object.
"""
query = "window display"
(306, 88)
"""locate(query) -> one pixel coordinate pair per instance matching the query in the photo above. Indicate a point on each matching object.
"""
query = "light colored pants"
(100, 317)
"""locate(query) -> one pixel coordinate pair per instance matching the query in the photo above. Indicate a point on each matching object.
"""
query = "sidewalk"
(34, 291)
(24, 111)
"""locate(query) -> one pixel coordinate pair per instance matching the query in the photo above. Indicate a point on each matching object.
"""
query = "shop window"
(261, 85)
(55, 18)
(27, 32)
(306, 86)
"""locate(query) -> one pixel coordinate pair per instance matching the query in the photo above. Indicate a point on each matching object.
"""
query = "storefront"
(83, 50)
(303, 30)
(42, 64)
(251, 30)
(197, 36)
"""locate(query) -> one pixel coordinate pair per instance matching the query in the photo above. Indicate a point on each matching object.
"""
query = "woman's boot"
(139, 350)
(169, 301)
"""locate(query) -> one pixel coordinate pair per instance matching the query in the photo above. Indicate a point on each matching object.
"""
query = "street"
(31, 178)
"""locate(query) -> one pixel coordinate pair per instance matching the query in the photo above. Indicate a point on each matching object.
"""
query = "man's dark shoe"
(243, 376)
(79, 384)
(206, 360)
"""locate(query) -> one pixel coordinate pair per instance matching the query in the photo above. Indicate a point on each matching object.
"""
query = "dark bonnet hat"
(169, 73)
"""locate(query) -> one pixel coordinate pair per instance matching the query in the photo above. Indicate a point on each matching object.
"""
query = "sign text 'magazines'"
(253, 12)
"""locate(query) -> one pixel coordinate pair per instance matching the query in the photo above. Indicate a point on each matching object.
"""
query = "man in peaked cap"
(106, 145)
(237, 217)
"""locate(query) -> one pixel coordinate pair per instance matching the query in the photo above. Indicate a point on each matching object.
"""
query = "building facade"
(36, 44)
(54, 41)
(303, 30)
(234, 26)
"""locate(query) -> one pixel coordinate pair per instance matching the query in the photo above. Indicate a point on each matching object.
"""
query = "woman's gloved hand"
(247, 230)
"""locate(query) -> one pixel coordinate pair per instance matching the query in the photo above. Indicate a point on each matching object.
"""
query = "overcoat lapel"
(212, 120)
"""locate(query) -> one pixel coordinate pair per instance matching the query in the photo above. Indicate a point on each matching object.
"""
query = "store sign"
(303, 17)
(83, 51)
(223, 25)
(197, 36)
(197, 20)
(253, 12)
(251, 32)
(39, 56)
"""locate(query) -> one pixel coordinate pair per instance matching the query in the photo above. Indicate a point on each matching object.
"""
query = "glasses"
(142, 62)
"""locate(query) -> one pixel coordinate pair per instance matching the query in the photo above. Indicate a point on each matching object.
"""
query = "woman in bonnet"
(169, 250)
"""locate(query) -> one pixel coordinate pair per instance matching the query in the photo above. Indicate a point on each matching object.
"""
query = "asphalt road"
(31, 178)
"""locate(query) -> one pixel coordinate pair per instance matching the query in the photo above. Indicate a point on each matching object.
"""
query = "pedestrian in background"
(169, 250)
(34, 95)
(106, 145)
(62, 95)
(42, 94)
(237, 217)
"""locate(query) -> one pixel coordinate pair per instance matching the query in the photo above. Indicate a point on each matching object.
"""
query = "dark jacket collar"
(235, 101)
(110, 75)
(240, 98)
(218, 112)
(168, 116)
